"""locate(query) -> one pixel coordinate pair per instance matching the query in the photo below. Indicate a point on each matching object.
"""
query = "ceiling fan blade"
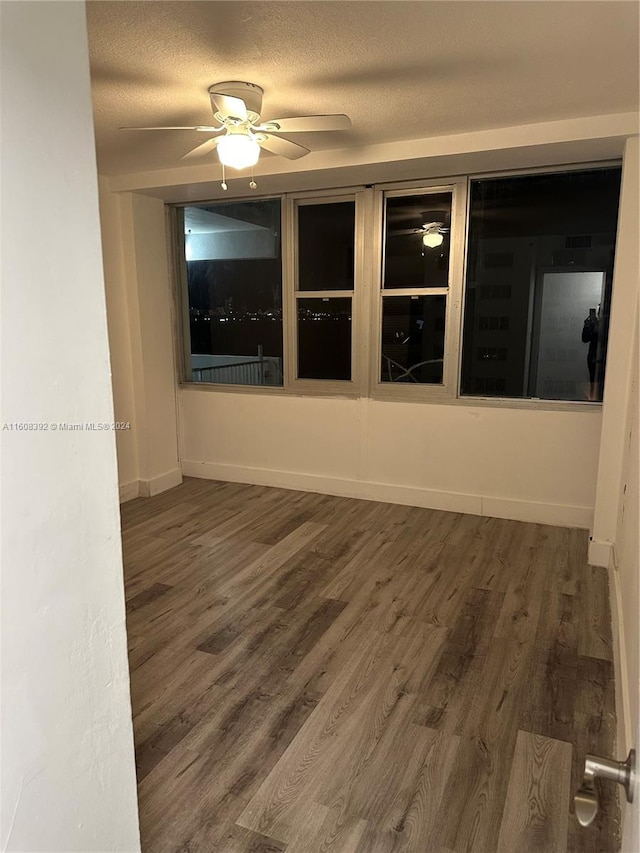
(405, 231)
(303, 124)
(290, 150)
(201, 150)
(228, 106)
(200, 127)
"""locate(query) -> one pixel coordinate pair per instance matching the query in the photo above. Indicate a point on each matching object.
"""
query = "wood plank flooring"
(315, 674)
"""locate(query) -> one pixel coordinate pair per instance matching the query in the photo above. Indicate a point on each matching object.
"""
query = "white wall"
(625, 588)
(140, 319)
(119, 339)
(620, 366)
(530, 465)
(615, 539)
(146, 262)
(68, 777)
(627, 550)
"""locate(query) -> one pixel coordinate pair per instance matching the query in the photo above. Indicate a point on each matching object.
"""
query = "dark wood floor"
(312, 673)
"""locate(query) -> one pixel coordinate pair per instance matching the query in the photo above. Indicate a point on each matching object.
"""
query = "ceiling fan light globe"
(432, 239)
(238, 151)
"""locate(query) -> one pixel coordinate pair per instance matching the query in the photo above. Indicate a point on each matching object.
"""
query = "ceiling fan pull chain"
(252, 183)
(224, 182)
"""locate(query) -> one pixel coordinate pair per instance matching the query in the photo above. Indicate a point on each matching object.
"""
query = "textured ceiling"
(400, 70)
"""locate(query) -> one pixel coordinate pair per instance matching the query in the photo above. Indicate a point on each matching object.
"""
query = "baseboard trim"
(156, 485)
(600, 552)
(129, 491)
(539, 513)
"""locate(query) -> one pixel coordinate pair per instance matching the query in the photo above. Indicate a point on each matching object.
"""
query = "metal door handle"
(623, 772)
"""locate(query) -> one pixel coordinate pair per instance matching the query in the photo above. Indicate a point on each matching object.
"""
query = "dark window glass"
(234, 277)
(538, 289)
(324, 338)
(325, 246)
(413, 339)
(410, 220)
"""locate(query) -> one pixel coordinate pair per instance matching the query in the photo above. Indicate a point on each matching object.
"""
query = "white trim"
(624, 729)
(600, 552)
(531, 511)
(357, 385)
(324, 294)
(149, 488)
(129, 491)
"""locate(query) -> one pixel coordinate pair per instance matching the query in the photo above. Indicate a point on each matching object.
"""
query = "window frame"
(447, 391)
(357, 386)
(182, 324)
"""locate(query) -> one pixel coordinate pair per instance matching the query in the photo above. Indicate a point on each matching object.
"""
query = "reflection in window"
(324, 338)
(234, 278)
(413, 339)
(417, 241)
(538, 289)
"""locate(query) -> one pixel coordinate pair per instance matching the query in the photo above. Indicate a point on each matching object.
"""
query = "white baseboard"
(129, 491)
(539, 513)
(558, 515)
(149, 488)
(600, 553)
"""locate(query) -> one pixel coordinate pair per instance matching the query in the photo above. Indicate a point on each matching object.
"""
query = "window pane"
(538, 290)
(325, 246)
(413, 339)
(411, 220)
(234, 277)
(324, 338)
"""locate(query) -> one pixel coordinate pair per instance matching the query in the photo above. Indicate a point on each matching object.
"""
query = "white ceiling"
(400, 70)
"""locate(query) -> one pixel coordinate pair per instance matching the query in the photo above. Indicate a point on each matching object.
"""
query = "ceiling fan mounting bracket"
(250, 93)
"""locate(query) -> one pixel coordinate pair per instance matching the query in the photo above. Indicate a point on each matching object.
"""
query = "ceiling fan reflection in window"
(240, 132)
(432, 230)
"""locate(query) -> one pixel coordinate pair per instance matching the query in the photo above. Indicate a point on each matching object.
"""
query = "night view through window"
(234, 278)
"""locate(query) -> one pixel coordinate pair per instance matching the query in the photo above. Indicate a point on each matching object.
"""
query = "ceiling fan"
(237, 108)
(432, 230)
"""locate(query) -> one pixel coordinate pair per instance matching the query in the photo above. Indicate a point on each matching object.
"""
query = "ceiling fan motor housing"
(247, 92)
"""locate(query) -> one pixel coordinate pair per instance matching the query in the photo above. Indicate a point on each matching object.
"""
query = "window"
(538, 286)
(417, 323)
(324, 288)
(496, 287)
(233, 276)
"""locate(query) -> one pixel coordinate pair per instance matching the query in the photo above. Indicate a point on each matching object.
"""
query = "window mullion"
(323, 294)
(415, 291)
(453, 332)
(289, 312)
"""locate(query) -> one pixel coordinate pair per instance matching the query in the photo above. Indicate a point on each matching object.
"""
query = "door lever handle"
(586, 799)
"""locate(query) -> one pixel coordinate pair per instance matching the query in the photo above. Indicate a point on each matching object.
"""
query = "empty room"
(320, 426)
